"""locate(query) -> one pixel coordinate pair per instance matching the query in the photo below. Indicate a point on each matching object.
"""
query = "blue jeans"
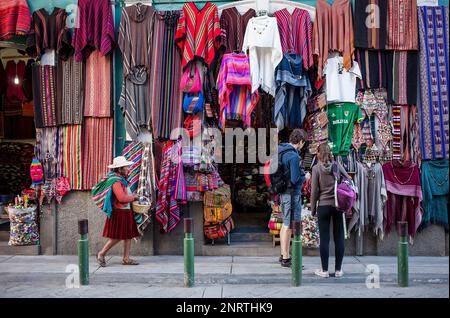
(291, 202)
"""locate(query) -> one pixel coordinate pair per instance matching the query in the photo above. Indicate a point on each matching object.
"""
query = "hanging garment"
(46, 108)
(15, 18)
(262, 39)
(372, 196)
(402, 77)
(95, 28)
(374, 68)
(370, 24)
(333, 31)
(435, 189)
(97, 149)
(172, 190)
(232, 28)
(341, 84)
(70, 155)
(414, 132)
(98, 89)
(293, 90)
(166, 97)
(296, 33)
(404, 195)
(396, 132)
(49, 31)
(434, 79)
(264, 111)
(402, 25)
(27, 83)
(342, 117)
(13, 71)
(135, 42)
(316, 126)
(48, 149)
(234, 84)
(198, 33)
(71, 78)
(133, 152)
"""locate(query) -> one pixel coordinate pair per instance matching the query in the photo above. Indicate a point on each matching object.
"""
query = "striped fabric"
(165, 77)
(402, 25)
(47, 151)
(15, 18)
(44, 95)
(71, 78)
(98, 86)
(97, 149)
(296, 33)
(234, 84)
(373, 66)
(133, 152)
(172, 190)
(232, 28)
(70, 154)
(396, 132)
(402, 72)
(434, 82)
(370, 24)
(96, 28)
(198, 33)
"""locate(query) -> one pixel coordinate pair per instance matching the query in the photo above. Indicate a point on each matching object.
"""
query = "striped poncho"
(102, 193)
(235, 85)
(15, 18)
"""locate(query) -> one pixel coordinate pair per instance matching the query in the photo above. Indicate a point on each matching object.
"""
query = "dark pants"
(325, 215)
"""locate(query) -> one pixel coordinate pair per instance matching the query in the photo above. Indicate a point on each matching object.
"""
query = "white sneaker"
(322, 273)
(339, 273)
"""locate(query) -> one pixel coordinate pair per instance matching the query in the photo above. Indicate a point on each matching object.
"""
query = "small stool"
(275, 239)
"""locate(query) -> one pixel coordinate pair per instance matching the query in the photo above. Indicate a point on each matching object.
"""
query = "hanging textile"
(370, 24)
(49, 32)
(44, 95)
(97, 149)
(15, 18)
(198, 33)
(234, 85)
(172, 189)
(402, 77)
(262, 39)
(147, 178)
(293, 90)
(48, 151)
(341, 84)
(435, 188)
(263, 111)
(70, 158)
(404, 195)
(98, 90)
(296, 33)
(135, 42)
(95, 28)
(166, 97)
(232, 28)
(133, 152)
(402, 25)
(14, 92)
(71, 77)
(434, 82)
(333, 31)
(414, 133)
(374, 68)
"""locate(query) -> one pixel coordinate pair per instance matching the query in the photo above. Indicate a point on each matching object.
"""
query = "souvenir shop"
(160, 82)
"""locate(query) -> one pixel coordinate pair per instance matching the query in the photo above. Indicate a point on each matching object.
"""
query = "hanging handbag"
(191, 81)
(344, 193)
(193, 103)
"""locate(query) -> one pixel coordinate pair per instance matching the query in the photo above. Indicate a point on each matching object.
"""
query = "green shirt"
(342, 117)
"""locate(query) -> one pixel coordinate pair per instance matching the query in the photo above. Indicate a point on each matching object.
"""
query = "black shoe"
(280, 259)
(286, 262)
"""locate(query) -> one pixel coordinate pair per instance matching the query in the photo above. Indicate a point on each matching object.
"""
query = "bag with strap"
(215, 231)
(218, 197)
(191, 81)
(278, 183)
(344, 194)
(217, 215)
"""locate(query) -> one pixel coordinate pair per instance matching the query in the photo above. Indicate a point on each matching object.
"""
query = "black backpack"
(279, 182)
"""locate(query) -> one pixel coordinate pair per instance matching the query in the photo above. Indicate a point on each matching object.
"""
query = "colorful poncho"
(404, 192)
(102, 193)
(435, 187)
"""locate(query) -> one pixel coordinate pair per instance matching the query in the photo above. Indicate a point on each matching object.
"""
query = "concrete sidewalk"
(220, 277)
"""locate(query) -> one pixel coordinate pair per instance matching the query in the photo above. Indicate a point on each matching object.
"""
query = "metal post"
(297, 255)
(83, 252)
(188, 254)
(402, 255)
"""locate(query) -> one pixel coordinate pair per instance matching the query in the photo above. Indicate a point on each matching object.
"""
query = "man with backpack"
(287, 181)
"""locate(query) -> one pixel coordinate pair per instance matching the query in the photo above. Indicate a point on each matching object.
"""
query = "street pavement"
(220, 277)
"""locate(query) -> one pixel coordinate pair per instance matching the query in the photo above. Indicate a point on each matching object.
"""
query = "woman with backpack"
(323, 203)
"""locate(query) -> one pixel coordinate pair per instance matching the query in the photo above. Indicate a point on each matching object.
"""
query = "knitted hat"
(36, 172)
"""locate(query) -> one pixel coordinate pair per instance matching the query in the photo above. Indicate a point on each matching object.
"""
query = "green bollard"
(188, 254)
(83, 252)
(402, 255)
(297, 255)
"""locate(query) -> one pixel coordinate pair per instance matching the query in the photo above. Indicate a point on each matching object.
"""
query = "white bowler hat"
(120, 161)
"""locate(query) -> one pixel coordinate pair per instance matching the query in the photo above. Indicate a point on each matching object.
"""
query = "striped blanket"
(102, 193)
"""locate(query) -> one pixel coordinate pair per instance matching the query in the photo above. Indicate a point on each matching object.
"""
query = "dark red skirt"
(121, 225)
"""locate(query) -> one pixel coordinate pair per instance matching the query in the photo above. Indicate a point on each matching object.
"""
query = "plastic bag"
(23, 227)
